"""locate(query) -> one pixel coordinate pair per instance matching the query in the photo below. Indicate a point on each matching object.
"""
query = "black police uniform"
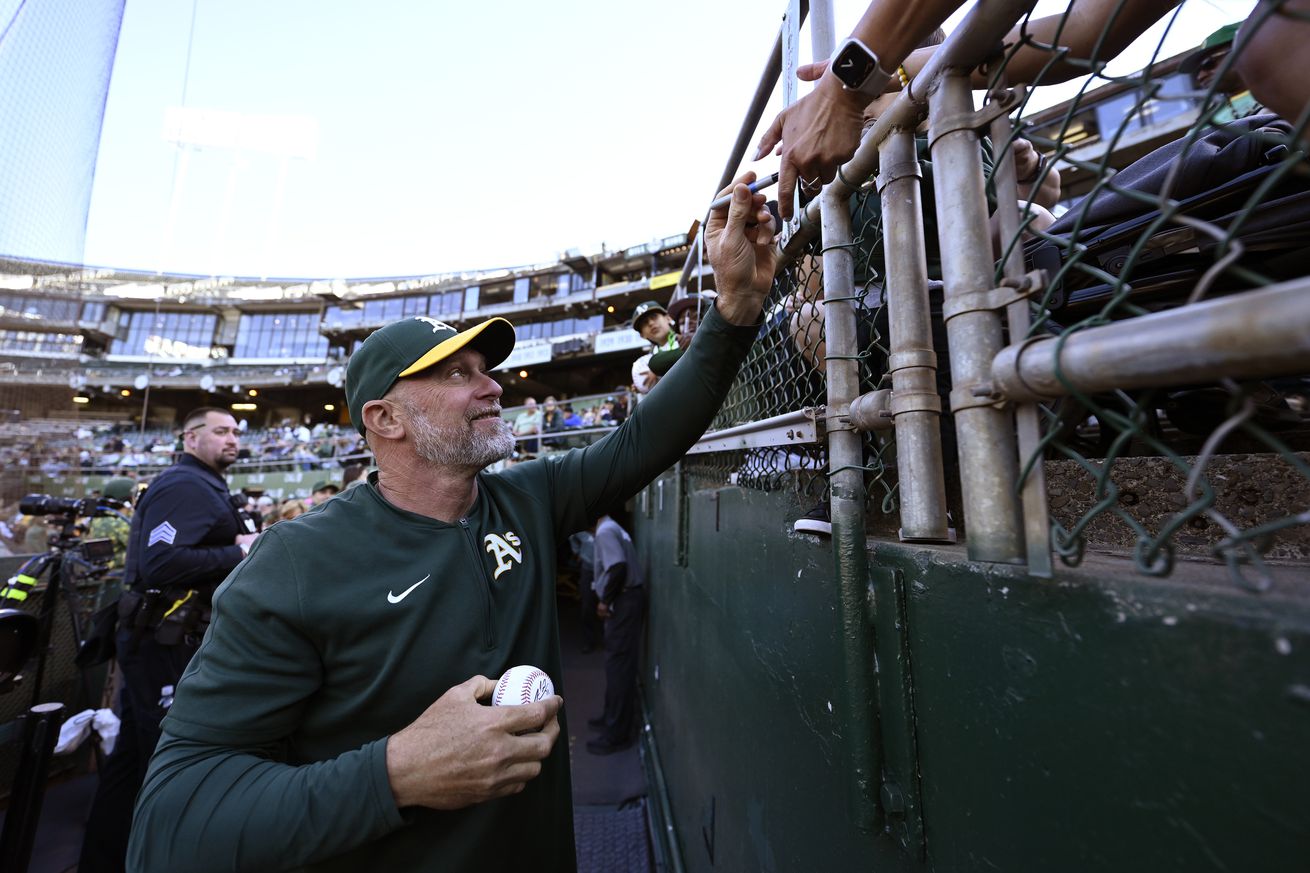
(181, 546)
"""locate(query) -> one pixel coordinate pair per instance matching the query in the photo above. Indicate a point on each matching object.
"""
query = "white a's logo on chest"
(505, 549)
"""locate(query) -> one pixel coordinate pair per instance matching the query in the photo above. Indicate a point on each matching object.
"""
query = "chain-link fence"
(1149, 239)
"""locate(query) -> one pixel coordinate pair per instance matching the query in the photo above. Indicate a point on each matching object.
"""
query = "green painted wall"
(1101, 721)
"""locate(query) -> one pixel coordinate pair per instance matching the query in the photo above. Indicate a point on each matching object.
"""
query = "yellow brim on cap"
(443, 350)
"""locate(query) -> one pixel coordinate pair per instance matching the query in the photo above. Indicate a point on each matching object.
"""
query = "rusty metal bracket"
(978, 394)
(993, 299)
(907, 358)
(872, 411)
(923, 401)
(978, 119)
(837, 418)
(897, 171)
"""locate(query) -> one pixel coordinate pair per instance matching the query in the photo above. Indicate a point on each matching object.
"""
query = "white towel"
(78, 727)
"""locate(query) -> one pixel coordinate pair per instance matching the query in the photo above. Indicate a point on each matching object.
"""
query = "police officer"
(186, 536)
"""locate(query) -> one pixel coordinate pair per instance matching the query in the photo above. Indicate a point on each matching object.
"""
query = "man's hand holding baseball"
(740, 239)
(459, 752)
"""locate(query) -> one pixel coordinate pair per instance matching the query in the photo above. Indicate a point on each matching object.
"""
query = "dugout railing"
(1161, 418)
(1034, 380)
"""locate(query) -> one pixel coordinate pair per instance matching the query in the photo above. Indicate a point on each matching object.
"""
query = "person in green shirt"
(333, 719)
(115, 528)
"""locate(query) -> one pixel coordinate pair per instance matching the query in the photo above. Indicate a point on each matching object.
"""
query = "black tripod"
(21, 634)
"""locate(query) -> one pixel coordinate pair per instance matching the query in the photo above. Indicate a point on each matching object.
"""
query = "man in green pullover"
(333, 718)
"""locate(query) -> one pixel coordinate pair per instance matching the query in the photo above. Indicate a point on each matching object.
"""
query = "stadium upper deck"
(68, 331)
(98, 332)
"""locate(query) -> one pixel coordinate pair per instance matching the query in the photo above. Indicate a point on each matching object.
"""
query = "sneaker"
(815, 521)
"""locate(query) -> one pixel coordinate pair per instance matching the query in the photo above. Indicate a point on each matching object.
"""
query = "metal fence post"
(1036, 515)
(846, 495)
(988, 451)
(916, 406)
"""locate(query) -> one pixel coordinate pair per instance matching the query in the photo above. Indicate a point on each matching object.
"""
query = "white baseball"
(522, 684)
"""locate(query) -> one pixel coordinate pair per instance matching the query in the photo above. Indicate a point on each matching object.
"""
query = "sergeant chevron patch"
(164, 533)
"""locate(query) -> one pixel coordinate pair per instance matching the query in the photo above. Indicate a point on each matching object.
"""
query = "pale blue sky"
(450, 136)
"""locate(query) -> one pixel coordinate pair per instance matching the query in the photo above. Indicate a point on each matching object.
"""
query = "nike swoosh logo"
(396, 598)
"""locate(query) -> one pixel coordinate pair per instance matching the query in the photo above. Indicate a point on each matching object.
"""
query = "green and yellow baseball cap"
(411, 345)
(119, 488)
(1220, 39)
(644, 309)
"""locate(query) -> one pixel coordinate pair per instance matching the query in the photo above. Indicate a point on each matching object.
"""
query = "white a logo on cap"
(437, 326)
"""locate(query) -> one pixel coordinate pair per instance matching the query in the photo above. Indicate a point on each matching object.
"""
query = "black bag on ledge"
(1218, 174)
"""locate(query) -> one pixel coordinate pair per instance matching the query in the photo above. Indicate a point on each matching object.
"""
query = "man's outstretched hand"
(816, 135)
(740, 240)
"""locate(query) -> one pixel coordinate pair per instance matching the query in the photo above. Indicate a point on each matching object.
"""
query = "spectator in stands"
(552, 420)
(352, 475)
(268, 511)
(652, 322)
(7, 533)
(323, 492)
(324, 450)
(112, 527)
(351, 735)
(527, 424)
(54, 467)
(571, 418)
(36, 534)
(304, 457)
(685, 313)
(1210, 68)
(291, 509)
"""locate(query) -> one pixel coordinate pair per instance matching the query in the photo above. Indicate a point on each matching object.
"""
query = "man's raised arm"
(677, 411)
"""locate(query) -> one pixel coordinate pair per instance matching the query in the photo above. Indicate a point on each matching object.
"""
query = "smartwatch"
(856, 67)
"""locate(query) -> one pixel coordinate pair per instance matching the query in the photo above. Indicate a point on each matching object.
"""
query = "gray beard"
(459, 447)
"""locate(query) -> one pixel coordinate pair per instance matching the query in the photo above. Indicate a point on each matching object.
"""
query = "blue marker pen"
(757, 185)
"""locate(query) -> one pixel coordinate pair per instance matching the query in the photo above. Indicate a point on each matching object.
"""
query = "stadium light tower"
(241, 136)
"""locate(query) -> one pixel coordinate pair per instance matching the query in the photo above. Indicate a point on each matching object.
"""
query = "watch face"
(853, 65)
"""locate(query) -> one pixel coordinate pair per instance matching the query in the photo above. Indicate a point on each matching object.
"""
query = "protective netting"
(1163, 190)
(55, 62)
